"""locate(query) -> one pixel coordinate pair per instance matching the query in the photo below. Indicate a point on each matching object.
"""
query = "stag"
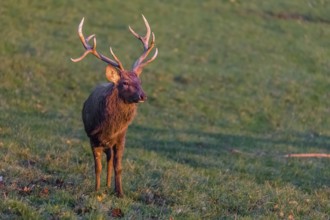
(111, 107)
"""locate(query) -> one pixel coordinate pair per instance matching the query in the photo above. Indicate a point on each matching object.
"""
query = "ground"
(236, 86)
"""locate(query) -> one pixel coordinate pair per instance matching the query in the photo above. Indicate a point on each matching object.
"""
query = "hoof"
(120, 195)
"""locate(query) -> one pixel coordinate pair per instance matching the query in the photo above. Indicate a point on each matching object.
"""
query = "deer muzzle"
(142, 97)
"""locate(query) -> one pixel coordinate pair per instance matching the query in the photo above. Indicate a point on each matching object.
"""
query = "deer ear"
(112, 74)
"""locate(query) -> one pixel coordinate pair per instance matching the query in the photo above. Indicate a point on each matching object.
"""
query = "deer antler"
(139, 64)
(92, 49)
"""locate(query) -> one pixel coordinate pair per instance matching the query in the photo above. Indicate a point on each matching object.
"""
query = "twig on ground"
(308, 155)
(301, 155)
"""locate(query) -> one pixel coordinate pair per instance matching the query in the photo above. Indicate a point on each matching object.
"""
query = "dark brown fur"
(106, 115)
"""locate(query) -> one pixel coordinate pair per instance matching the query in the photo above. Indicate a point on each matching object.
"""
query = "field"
(237, 85)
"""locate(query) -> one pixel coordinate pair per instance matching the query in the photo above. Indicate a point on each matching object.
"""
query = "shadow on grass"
(261, 158)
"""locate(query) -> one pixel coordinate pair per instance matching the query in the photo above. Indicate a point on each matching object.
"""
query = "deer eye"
(125, 83)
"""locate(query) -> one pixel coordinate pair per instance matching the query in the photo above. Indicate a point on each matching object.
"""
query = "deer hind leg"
(118, 154)
(97, 152)
(109, 153)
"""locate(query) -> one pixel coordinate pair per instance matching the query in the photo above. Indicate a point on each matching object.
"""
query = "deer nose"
(142, 97)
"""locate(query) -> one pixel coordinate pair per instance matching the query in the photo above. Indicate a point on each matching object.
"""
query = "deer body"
(111, 107)
(105, 115)
(106, 118)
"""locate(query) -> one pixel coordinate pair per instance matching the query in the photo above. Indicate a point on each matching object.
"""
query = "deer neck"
(118, 105)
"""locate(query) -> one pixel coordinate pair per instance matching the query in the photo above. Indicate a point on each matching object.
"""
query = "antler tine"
(90, 37)
(81, 35)
(145, 39)
(138, 65)
(150, 60)
(92, 49)
(115, 57)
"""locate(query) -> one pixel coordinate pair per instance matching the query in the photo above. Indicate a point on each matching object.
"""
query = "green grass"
(237, 85)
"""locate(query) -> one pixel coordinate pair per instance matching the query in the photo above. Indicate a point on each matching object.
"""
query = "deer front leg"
(118, 154)
(109, 153)
(97, 152)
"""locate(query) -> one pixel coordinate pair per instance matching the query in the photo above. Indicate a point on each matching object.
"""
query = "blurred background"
(236, 86)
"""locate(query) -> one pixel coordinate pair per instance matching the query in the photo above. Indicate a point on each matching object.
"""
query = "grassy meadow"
(236, 86)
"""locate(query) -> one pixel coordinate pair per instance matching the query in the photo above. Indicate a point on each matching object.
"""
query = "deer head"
(126, 81)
